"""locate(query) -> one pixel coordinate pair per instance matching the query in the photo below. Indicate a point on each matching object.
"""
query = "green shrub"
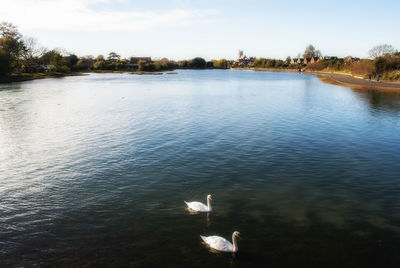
(5, 63)
(380, 65)
(220, 64)
(99, 65)
(63, 69)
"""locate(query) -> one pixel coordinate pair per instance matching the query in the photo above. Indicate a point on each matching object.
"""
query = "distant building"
(47, 66)
(310, 60)
(314, 59)
(135, 60)
(330, 58)
(240, 54)
(350, 59)
(243, 60)
(87, 62)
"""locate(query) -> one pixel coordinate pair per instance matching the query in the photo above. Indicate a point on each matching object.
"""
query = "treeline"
(196, 63)
(161, 65)
(384, 61)
(388, 66)
(200, 63)
(310, 52)
(21, 56)
(270, 63)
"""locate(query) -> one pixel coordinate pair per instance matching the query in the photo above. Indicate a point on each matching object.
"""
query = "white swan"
(221, 244)
(200, 207)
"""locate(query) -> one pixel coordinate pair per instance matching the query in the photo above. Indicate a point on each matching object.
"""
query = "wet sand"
(342, 80)
(358, 83)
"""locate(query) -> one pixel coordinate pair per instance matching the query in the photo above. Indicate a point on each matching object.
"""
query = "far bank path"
(349, 81)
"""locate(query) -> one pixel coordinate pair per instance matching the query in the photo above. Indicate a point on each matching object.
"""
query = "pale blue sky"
(179, 29)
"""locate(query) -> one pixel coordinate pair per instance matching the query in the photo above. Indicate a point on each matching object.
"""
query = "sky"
(212, 29)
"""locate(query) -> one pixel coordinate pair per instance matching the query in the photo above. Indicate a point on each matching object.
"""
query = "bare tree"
(381, 50)
(30, 54)
(33, 48)
(311, 52)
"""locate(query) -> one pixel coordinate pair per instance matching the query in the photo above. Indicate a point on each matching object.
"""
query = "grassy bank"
(32, 76)
(385, 67)
(340, 78)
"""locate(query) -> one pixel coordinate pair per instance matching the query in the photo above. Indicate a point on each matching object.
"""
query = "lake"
(94, 171)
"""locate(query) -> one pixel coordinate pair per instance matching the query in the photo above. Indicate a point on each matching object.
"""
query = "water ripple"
(94, 170)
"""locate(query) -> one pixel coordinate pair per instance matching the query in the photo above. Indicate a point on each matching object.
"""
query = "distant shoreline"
(34, 76)
(359, 83)
(339, 79)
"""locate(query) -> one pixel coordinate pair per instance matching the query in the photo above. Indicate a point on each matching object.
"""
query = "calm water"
(94, 170)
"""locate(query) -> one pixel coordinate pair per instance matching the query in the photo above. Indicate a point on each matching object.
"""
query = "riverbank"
(340, 79)
(33, 76)
(355, 82)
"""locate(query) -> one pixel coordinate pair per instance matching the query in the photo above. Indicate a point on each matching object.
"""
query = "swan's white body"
(200, 207)
(221, 244)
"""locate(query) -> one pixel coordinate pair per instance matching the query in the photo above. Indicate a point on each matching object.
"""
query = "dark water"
(94, 171)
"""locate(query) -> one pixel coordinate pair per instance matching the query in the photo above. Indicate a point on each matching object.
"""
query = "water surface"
(94, 170)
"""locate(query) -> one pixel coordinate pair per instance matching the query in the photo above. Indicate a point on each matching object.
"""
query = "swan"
(200, 207)
(221, 244)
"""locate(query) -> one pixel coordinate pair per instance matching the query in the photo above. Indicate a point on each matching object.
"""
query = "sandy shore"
(343, 80)
(359, 83)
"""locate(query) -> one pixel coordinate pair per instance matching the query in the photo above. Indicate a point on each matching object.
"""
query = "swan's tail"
(203, 237)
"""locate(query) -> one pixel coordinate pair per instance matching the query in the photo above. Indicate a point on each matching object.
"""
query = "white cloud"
(80, 15)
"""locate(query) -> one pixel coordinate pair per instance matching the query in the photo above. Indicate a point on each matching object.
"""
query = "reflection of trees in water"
(15, 113)
(380, 101)
(10, 87)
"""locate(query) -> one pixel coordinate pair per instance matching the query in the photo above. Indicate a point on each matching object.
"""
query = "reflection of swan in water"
(208, 216)
(221, 244)
(208, 220)
(200, 207)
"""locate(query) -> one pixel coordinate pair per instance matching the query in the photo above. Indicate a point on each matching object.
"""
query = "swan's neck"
(235, 247)
(208, 204)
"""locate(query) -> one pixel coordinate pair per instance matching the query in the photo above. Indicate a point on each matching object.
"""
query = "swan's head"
(209, 197)
(237, 234)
